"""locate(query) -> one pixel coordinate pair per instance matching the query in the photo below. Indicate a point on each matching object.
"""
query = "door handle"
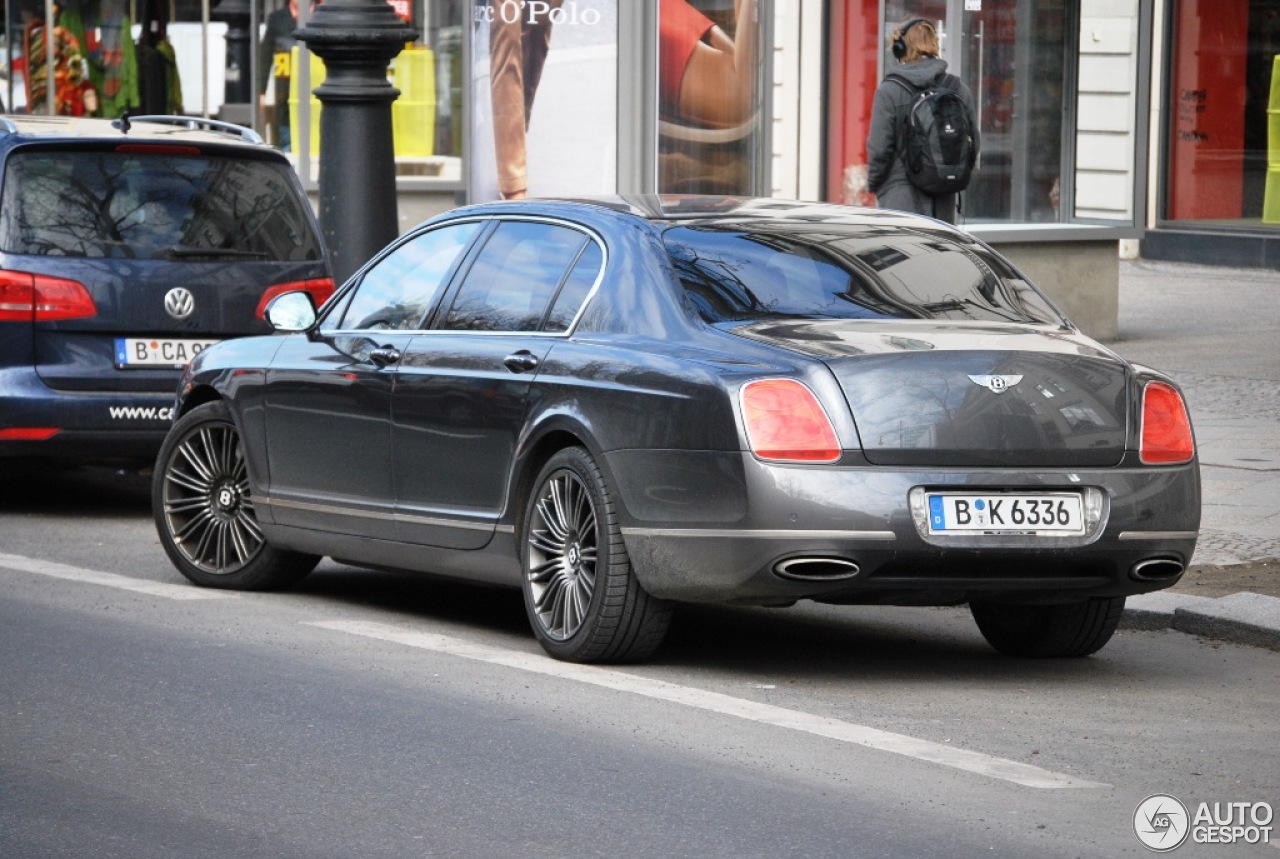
(384, 356)
(521, 361)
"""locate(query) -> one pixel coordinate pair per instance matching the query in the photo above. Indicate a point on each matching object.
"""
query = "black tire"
(204, 512)
(1045, 631)
(581, 596)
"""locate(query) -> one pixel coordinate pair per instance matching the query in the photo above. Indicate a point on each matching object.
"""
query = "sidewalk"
(1217, 332)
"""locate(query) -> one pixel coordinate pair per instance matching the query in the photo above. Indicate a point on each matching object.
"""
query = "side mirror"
(291, 312)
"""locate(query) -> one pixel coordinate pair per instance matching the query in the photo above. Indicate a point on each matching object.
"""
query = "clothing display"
(103, 28)
(95, 65)
(67, 70)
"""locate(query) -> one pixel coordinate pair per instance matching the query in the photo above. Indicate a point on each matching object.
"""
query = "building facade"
(1101, 120)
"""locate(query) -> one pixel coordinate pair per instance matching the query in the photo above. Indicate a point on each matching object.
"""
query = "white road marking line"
(847, 732)
(111, 580)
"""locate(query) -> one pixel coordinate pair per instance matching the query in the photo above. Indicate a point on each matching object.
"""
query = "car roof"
(154, 129)
(673, 209)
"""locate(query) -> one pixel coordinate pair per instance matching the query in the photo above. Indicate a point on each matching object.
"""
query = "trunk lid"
(970, 395)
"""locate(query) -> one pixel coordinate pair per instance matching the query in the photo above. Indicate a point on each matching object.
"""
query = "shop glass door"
(1013, 56)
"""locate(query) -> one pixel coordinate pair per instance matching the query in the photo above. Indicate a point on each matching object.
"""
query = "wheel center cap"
(227, 497)
(574, 555)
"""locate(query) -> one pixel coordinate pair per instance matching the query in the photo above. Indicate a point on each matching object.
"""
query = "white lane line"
(847, 732)
(110, 580)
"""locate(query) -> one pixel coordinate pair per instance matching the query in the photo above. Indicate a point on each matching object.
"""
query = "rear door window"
(153, 205)
(515, 276)
(576, 289)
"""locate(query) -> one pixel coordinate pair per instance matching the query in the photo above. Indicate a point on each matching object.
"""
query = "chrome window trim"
(591, 235)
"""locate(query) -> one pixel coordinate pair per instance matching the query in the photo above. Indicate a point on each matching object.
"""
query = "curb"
(1242, 618)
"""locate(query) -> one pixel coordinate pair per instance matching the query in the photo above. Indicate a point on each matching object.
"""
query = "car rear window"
(153, 206)
(744, 272)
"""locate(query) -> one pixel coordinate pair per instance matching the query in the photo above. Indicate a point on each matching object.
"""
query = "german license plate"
(134, 352)
(1058, 513)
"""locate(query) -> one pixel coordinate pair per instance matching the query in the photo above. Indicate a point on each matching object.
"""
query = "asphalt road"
(373, 714)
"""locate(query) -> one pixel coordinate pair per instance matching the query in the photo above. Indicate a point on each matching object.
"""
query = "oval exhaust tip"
(1156, 570)
(816, 569)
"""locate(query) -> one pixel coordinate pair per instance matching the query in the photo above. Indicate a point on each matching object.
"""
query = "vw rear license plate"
(1056, 513)
(134, 352)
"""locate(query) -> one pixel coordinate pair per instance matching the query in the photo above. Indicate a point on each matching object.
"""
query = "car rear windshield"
(744, 272)
(137, 205)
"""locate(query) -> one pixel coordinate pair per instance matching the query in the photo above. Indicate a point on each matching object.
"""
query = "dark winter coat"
(886, 171)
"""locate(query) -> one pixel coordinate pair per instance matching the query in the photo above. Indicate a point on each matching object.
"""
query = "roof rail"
(194, 123)
(7, 125)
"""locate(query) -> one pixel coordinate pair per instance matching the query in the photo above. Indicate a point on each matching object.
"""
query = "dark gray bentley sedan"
(620, 405)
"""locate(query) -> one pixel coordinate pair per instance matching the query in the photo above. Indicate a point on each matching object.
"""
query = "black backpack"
(939, 150)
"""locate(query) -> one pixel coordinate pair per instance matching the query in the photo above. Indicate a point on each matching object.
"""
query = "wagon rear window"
(86, 203)
(744, 272)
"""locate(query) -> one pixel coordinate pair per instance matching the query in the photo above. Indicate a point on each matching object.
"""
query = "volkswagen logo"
(179, 303)
(996, 384)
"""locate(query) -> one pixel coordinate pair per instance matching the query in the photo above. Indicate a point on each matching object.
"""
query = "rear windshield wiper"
(213, 253)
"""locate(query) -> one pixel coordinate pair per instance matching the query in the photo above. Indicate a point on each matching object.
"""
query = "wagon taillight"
(36, 298)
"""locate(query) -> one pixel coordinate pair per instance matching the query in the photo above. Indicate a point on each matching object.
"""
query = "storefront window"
(1224, 113)
(1057, 90)
(710, 127)
(426, 118)
(1011, 54)
(164, 56)
(1014, 63)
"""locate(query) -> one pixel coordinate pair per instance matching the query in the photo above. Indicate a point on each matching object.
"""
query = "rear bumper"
(748, 569)
(761, 533)
(87, 426)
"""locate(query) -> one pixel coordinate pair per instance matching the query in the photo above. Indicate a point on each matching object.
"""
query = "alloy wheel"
(207, 505)
(562, 547)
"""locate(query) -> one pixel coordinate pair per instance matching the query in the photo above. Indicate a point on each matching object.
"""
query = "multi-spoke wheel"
(204, 510)
(583, 600)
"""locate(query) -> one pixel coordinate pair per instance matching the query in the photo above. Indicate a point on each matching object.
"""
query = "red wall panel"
(853, 52)
(1207, 110)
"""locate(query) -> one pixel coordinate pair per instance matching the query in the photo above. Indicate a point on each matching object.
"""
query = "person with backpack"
(924, 136)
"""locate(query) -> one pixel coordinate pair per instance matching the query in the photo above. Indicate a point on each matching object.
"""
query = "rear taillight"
(321, 288)
(36, 298)
(28, 433)
(1166, 429)
(785, 422)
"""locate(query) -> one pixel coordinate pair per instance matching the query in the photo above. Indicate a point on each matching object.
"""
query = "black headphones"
(899, 45)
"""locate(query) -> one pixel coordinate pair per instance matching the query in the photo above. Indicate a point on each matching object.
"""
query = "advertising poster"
(545, 114)
(710, 135)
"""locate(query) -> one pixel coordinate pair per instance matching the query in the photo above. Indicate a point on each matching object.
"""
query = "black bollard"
(357, 39)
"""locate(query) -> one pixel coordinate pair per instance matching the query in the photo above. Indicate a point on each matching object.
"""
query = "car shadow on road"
(806, 643)
(28, 486)
(418, 594)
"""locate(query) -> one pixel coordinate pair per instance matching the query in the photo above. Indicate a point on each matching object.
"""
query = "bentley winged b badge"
(996, 384)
